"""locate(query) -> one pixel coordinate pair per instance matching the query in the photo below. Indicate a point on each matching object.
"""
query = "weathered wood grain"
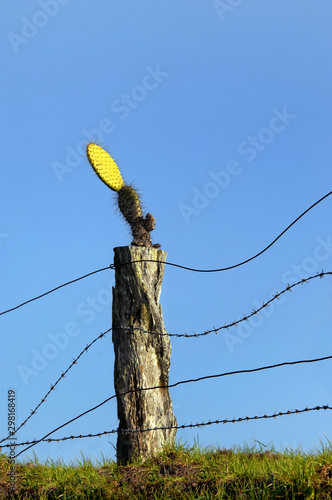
(141, 359)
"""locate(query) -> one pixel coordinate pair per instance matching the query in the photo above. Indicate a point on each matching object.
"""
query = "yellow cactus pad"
(104, 166)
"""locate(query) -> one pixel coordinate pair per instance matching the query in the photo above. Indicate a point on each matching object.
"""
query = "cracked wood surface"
(141, 359)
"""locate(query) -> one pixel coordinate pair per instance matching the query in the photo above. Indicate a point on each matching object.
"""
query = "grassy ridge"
(179, 472)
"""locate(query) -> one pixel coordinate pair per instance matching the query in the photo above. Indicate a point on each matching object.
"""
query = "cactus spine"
(128, 199)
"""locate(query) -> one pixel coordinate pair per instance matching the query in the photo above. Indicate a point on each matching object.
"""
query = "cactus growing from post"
(142, 357)
(128, 199)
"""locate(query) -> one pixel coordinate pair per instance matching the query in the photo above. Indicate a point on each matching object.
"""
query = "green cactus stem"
(129, 203)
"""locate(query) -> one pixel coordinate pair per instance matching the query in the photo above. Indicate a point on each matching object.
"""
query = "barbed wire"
(183, 426)
(214, 330)
(233, 323)
(169, 386)
(63, 374)
(112, 266)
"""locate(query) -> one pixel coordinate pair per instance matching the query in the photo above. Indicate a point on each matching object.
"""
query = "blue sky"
(220, 113)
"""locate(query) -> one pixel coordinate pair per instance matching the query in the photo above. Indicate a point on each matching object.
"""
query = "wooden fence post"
(141, 359)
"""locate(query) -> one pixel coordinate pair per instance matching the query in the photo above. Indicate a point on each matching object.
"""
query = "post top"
(135, 253)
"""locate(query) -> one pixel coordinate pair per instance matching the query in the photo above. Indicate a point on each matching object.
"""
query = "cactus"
(128, 199)
(129, 203)
(104, 166)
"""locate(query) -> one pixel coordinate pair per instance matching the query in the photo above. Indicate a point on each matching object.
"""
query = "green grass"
(179, 472)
